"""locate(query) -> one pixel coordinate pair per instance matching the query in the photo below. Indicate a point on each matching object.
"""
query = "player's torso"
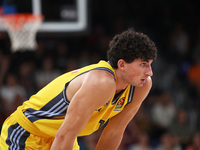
(47, 108)
(110, 109)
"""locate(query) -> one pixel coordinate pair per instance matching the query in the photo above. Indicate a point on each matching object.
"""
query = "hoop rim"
(18, 20)
(28, 16)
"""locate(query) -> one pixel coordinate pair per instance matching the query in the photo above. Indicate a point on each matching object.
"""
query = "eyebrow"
(147, 60)
(144, 60)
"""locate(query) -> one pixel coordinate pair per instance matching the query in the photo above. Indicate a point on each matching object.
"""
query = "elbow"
(114, 134)
(60, 137)
(65, 136)
(61, 142)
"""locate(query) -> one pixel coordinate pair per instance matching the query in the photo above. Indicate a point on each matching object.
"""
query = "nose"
(149, 71)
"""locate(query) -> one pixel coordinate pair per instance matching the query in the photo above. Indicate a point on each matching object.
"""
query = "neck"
(121, 84)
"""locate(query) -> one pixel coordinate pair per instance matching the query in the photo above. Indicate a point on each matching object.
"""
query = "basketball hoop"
(22, 29)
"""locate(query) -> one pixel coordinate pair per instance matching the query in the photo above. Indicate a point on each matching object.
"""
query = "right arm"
(117, 124)
(97, 88)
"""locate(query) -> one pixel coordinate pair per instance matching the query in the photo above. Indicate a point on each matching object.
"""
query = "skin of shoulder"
(95, 79)
(90, 90)
(95, 89)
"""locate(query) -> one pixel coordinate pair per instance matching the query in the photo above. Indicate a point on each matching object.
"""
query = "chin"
(140, 84)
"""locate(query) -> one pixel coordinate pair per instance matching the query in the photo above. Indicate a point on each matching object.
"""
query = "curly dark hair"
(130, 45)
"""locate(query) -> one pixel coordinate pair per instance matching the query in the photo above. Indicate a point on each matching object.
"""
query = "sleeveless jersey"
(45, 111)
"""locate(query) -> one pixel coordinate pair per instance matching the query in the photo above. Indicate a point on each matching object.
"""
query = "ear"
(121, 64)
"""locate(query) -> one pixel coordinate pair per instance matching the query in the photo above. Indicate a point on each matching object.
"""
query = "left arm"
(113, 132)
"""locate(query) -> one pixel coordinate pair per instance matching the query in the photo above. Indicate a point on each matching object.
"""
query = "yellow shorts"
(13, 137)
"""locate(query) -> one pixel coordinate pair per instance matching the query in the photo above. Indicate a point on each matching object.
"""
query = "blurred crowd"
(169, 118)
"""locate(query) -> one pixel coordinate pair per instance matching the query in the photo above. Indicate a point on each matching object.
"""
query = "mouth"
(143, 80)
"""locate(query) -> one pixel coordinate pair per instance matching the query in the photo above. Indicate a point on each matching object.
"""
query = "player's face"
(138, 72)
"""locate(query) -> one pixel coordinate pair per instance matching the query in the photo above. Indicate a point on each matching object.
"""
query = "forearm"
(66, 135)
(109, 141)
(63, 143)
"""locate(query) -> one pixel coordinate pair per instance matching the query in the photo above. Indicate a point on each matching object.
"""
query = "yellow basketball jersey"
(44, 112)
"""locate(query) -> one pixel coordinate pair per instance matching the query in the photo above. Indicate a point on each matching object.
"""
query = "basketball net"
(22, 29)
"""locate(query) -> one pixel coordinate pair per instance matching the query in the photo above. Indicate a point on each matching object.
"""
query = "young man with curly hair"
(79, 102)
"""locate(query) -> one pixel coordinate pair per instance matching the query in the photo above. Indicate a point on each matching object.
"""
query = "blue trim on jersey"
(100, 68)
(55, 108)
(52, 103)
(17, 137)
(64, 94)
(131, 93)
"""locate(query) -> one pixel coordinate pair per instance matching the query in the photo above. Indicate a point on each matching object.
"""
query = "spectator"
(131, 134)
(62, 56)
(27, 78)
(162, 113)
(168, 142)
(89, 142)
(4, 66)
(142, 144)
(47, 73)
(143, 119)
(181, 128)
(84, 59)
(12, 94)
(72, 64)
(179, 42)
(2, 113)
(195, 144)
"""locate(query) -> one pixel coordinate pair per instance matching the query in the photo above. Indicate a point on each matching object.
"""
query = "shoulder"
(100, 85)
(94, 82)
(101, 78)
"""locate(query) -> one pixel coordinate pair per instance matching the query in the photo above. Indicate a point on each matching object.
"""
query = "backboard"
(59, 15)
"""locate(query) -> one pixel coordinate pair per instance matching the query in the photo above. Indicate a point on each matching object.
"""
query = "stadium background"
(170, 115)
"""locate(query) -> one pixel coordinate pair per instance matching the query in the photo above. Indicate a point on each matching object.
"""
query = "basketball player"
(81, 101)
